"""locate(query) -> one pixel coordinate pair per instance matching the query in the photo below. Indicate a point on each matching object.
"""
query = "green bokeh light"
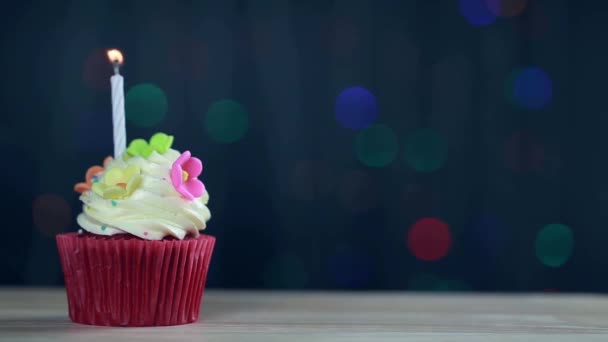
(554, 245)
(452, 285)
(226, 121)
(146, 105)
(286, 272)
(432, 282)
(426, 151)
(424, 282)
(509, 86)
(376, 146)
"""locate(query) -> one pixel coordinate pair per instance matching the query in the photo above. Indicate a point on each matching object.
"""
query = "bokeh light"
(376, 146)
(534, 24)
(262, 38)
(93, 132)
(506, 8)
(344, 40)
(487, 234)
(432, 282)
(524, 153)
(530, 88)
(187, 58)
(350, 268)
(453, 285)
(554, 244)
(311, 179)
(476, 12)
(97, 70)
(356, 108)
(429, 239)
(303, 179)
(358, 191)
(52, 214)
(423, 282)
(226, 121)
(146, 105)
(286, 272)
(420, 199)
(426, 151)
(509, 85)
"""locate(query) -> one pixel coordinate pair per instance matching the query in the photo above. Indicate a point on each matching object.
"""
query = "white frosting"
(153, 211)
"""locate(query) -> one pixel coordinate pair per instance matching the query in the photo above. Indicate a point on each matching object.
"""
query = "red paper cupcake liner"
(125, 281)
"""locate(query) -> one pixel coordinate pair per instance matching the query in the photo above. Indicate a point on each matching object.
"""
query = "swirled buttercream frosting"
(152, 192)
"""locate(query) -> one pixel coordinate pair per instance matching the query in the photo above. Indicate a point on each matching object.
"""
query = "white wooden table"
(41, 315)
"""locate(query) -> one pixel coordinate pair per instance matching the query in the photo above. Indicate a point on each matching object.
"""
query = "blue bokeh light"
(488, 234)
(476, 12)
(349, 268)
(356, 108)
(532, 88)
(93, 132)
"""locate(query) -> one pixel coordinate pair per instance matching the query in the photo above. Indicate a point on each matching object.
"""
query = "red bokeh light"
(187, 58)
(97, 70)
(524, 152)
(262, 40)
(506, 8)
(358, 191)
(345, 38)
(429, 239)
(52, 214)
(311, 179)
(534, 23)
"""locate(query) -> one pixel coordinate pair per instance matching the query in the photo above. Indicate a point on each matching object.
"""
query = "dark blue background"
(292, 205)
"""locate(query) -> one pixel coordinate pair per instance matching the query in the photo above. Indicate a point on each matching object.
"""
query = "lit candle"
(118, 104)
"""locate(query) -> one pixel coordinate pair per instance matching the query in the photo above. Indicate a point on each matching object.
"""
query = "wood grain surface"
(35, 314)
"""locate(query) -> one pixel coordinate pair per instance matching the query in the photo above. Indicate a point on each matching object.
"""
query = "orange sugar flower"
(90, 176)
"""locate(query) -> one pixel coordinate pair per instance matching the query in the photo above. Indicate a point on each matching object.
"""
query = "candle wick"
(116, 68)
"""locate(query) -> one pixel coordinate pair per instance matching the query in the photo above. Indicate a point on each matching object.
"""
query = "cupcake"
(139, 259)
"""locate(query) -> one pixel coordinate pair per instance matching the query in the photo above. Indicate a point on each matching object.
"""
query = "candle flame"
(115, 56)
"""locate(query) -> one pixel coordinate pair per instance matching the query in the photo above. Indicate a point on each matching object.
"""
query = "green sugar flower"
(159, 142)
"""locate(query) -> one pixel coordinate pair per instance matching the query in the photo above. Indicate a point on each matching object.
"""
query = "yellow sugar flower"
(118, 183)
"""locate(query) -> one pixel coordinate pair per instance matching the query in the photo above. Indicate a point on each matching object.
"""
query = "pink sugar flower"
(183, 176)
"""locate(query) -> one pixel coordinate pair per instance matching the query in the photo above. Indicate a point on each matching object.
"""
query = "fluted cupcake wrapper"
(125, 281)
